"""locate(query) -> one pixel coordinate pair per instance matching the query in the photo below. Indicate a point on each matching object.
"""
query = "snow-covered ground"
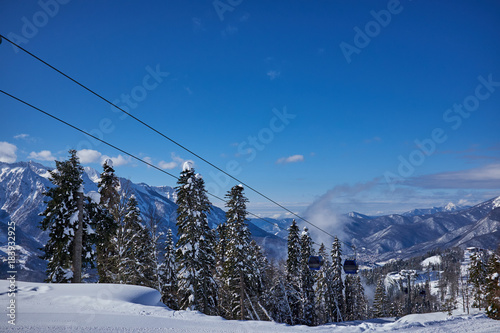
(43, 308)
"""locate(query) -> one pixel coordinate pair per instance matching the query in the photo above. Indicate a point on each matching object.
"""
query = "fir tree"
(224, 293)
(307, 280)
(492, 287)
(477, 277)
(380, 308)
(168, 274)
(323, 287)
(61, 219)
(336, 305)
(278, 301)
(109, 215)
(243, 261)
(195, 255)
(355, 300)
(145, 262)
(293, 278)
(129, 233)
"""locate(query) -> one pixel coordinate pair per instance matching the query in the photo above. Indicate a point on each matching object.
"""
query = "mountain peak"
(450, 207)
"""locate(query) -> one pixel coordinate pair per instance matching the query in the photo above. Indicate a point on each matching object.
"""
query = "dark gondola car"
(315, 262)
(350, 266)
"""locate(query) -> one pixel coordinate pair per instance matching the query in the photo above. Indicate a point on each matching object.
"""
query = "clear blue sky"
(307, 101)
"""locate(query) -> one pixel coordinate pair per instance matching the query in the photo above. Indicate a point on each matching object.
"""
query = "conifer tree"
(293, 277)
(168, 274)
(323, 287)
(128, 236)
(61, 219)
(336, 308)
(145, 262)
(195, 255)
(278, 301)
(108, 189)
(355, 300)
(239, 270)
(477, 277)
(307, 280)
(492, 287)
(224, 293)
(380, 300)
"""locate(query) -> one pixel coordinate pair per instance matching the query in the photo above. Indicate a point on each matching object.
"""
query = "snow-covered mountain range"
(377, 238)
(21, 200)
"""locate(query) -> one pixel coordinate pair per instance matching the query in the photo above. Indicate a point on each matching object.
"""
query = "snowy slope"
(47, 308)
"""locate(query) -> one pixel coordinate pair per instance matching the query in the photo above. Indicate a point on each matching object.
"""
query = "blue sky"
(322, 102)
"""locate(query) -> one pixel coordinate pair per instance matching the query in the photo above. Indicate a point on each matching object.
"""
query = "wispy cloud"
(26, 137)
(290, 159)
(176, 162)
(44, 155)
(7, 152)
(21, 136)
(373, 140)
(484, 177)
(273, 74)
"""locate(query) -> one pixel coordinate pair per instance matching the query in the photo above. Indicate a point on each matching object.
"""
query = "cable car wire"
(129, 154)
(170, 139)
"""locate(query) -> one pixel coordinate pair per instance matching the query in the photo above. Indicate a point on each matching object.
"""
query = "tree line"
(219, 271)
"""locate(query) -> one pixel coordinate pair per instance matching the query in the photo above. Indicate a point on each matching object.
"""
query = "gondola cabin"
(315, 262)
(350, 266)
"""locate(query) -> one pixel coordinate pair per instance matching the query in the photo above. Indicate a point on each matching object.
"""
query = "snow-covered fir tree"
(477, 277)
(168, 274)
(224, 293)
(336, 308)
(307, 280)
(355, 300)
(109, 201)
(145, 261)
(277, 301)
(492, 286)
(323, 287)
(380, 306)
(240, 272)
(152, 226)
(195, 255)
(127, 239)
(61, 219)
(293, 276)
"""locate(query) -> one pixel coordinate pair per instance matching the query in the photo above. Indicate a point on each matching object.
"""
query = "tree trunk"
(77, 250)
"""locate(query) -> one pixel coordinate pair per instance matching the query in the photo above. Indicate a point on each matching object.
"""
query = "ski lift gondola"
(315, 262)
(350, 265)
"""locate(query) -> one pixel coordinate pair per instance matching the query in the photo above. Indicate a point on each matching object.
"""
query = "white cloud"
(117, 161)
(44, 155)
(167, 165)
(483, 177)
(273, 74)
(89, 156)
(7, 152)
(21, 136)
(93, 156)
(176, 162)
(290, 159)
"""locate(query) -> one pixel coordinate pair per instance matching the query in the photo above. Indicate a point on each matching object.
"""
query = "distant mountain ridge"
(22, 185)
(377, 238)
